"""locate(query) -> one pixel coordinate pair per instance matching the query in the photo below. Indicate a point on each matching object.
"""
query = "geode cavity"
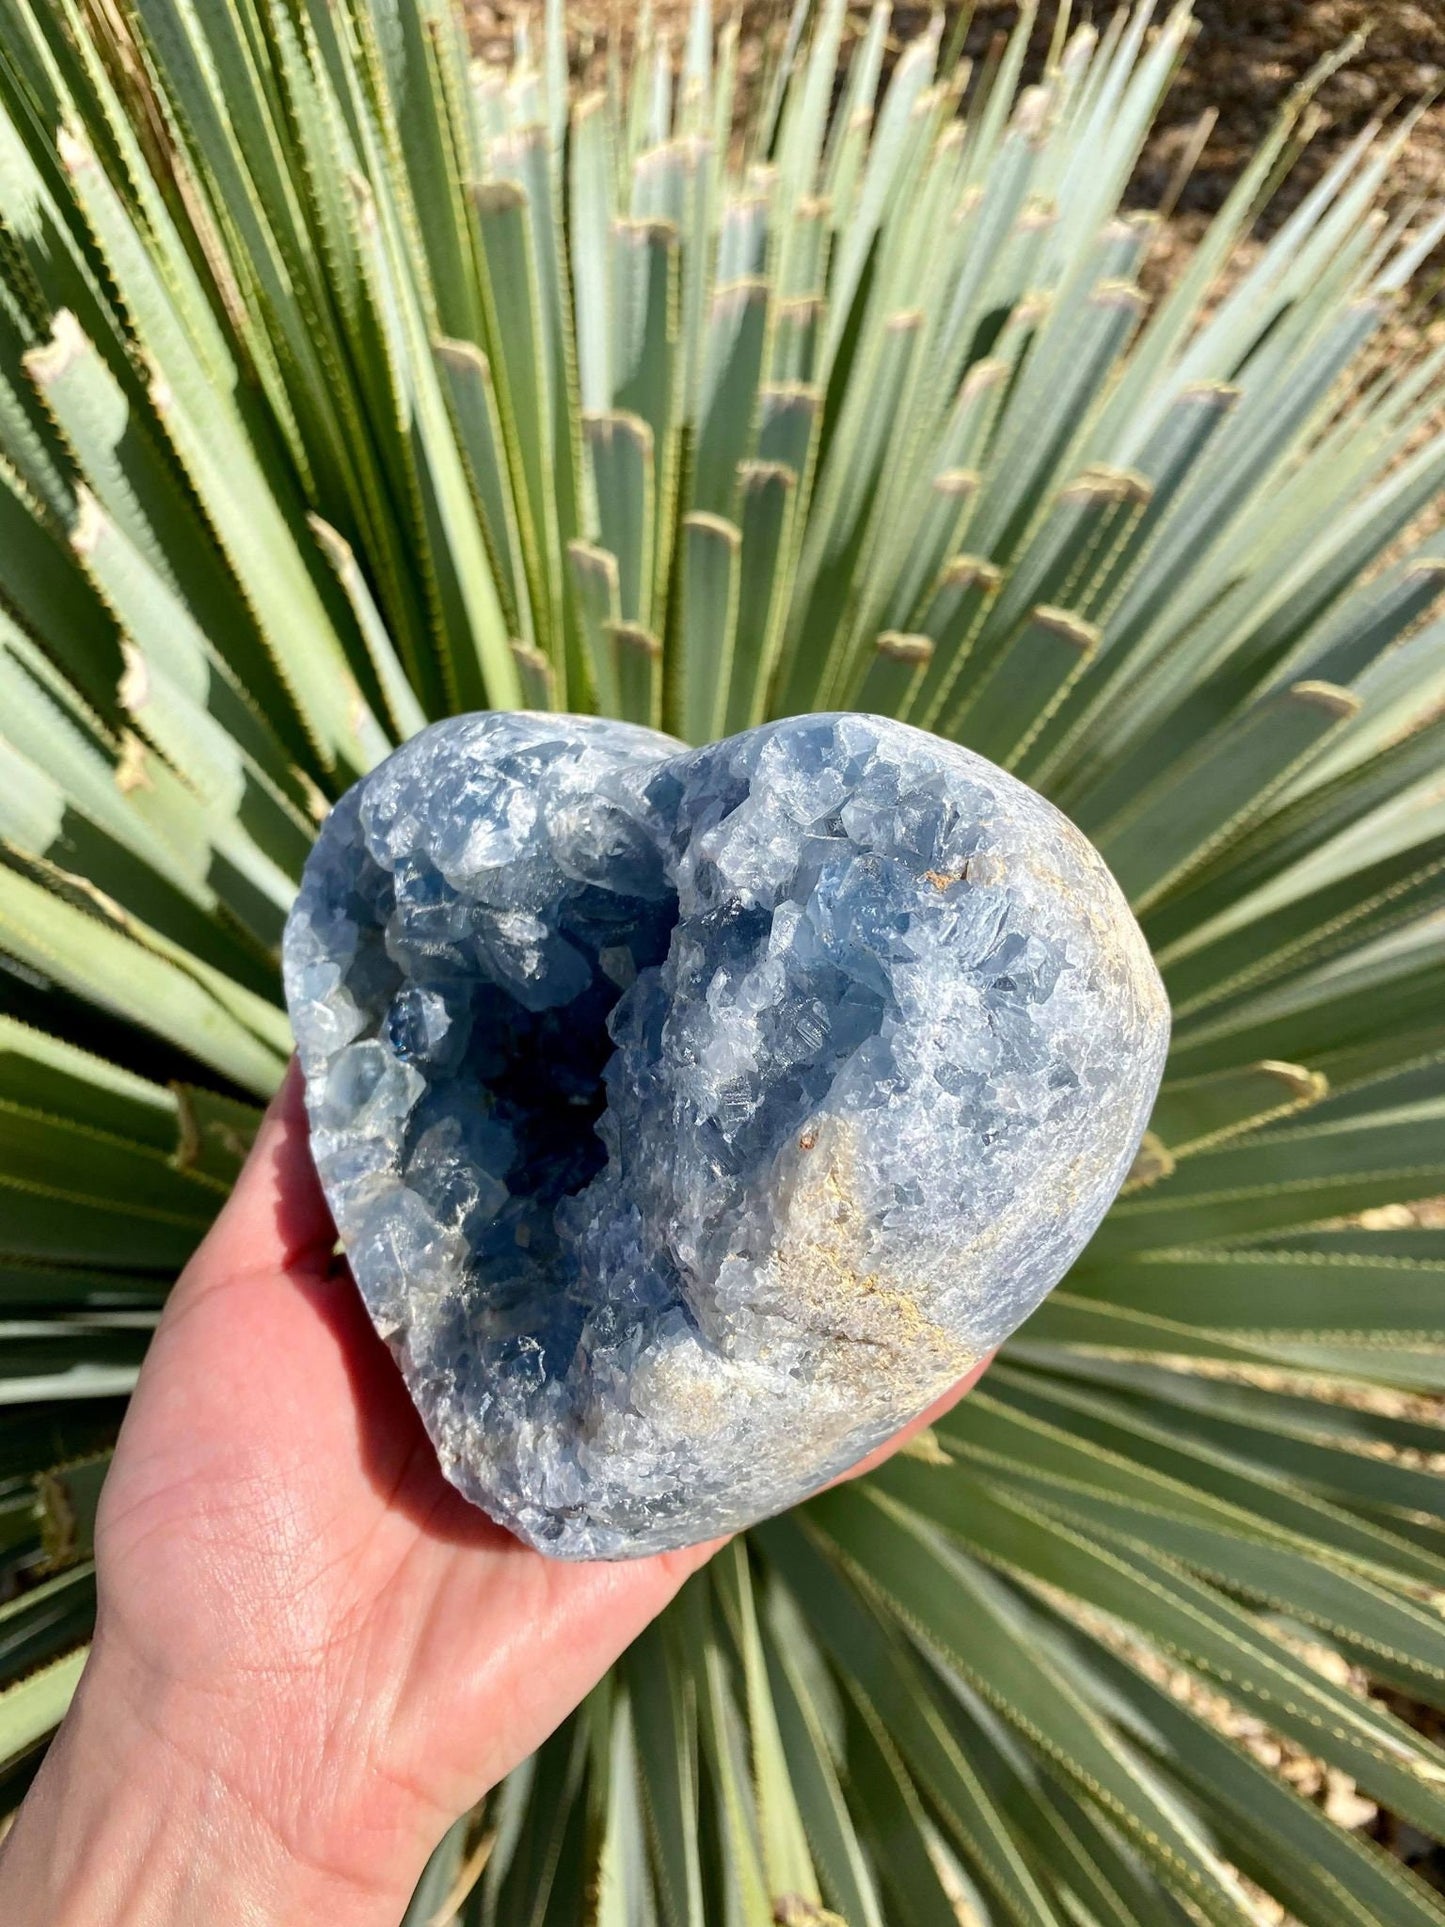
(692, 1118)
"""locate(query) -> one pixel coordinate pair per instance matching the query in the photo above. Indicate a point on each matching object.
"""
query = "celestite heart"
(693, 1118)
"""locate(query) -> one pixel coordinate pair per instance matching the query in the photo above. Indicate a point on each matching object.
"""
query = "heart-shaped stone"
(693, 1118)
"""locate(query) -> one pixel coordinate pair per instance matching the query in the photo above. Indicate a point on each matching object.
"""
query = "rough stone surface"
(693, 1118)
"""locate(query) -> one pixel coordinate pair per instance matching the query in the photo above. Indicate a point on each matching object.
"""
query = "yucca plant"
(344, 383)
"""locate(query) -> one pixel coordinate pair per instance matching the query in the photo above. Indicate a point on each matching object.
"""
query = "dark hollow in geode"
(692, 1118)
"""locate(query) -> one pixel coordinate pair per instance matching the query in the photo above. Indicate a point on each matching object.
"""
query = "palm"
(276, 1538)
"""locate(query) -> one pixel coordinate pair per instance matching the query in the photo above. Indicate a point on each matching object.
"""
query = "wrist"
(134, 1821)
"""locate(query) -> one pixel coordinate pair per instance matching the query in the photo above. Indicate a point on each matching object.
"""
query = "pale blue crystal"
(692, 1118)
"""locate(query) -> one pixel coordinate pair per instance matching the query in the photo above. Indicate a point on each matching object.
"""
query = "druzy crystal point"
(693, 1118)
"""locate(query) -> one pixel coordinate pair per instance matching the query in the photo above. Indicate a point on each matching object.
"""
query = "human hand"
(311, 1652)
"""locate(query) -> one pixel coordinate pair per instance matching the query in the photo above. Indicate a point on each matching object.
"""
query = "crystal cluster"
(692, 1118)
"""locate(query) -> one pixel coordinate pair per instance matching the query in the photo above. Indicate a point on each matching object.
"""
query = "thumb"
(276, 1218)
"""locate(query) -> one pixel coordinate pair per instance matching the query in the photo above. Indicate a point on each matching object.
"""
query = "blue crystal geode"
(693, 1118)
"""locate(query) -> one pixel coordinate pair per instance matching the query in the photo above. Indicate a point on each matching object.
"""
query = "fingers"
(276, 1218)
(550, 1635)
(594, 1610)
